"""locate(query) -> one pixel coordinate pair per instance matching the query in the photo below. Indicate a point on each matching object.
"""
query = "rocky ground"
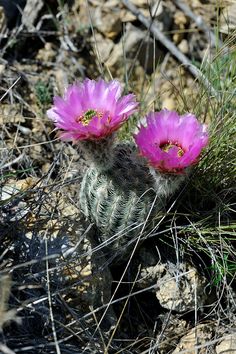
(61, 291)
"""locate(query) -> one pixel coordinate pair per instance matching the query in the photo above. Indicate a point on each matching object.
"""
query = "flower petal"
(104, 98)
(183, 135)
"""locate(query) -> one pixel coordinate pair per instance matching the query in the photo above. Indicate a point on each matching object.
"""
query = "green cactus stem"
(99, 152)
(122, 199)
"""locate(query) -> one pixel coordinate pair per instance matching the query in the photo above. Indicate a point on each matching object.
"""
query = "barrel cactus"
(123, 190)
(119, 199)
(123, 200)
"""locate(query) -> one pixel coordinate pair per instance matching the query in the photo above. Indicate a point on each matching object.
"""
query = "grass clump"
(209, 204)
(218, 167)
(44, 93)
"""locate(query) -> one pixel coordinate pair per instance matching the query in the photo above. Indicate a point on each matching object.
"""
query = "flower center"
(86, 117)
(167, 146)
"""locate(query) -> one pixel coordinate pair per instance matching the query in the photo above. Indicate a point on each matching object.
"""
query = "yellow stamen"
(166, 147)
(86, 117)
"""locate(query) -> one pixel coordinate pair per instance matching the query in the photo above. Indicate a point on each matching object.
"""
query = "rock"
(129, 43)
(157, 9)
(103, 45)
(61, 77)
(110, 4)
(180, 19)
(183, 46)
(11, 114)
(195, 340)
(14, 208)
(127, 16)
(133, 44)
(47, 53)
(109, 24)
(12, 188)
(177, 287)
(180, 23)
(105, 17)
(173, 328)
(140, 3)
(227, 345)
(228, 19)
(86, 13)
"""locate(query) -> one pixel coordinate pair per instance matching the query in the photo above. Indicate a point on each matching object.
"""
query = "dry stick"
(58, 350)
(9, 89)
(17, 159)
(170, 46)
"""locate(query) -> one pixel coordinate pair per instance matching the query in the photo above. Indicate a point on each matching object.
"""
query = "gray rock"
(178, 287)
(196, 340)
(227, 345)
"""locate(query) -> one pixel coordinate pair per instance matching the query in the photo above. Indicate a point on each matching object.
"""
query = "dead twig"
(171, 47)
(9, 89)
(9, 164)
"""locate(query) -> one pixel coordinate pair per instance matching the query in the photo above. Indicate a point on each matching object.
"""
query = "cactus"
(99, 152)
(119, 200)
(122, 191)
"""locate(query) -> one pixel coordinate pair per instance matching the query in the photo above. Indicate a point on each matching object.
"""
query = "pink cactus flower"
(91, 110)
(171, 142)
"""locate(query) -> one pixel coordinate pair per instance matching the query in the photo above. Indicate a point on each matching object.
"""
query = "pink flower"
(91, 110)
(171, 142)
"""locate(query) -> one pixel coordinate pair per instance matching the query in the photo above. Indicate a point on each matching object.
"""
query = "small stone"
(177, 37)
(127, 16)
(61, 77)
(46, 167)
(47, 53)
(111, 4)
(157, 9)
(183, 46)
(180, 19)
(24, 130)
